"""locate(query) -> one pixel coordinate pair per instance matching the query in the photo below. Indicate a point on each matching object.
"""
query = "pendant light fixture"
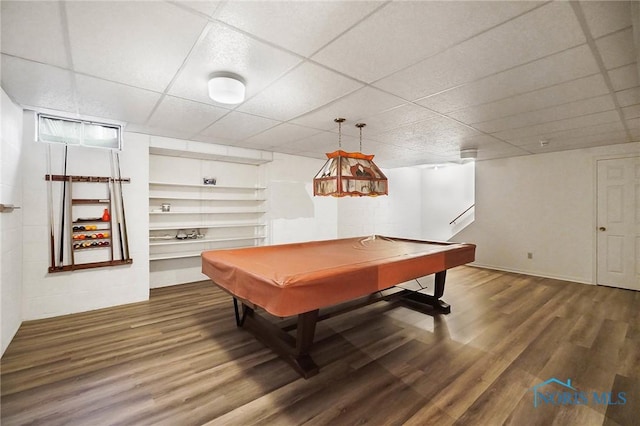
(349, 173)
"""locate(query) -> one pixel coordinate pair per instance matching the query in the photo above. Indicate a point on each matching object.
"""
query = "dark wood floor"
(179, 360)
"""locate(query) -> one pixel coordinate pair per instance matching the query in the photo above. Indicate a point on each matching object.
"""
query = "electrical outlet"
(529, 255)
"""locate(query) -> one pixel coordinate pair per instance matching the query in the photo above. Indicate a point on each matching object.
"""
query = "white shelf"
(175, 241)
(185, 254)
(157, 197)
(230, 216)
(167, 256)
(200, 185)
(232, 211)
(201, 226)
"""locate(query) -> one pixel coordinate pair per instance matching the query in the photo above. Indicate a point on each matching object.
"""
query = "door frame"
(594, 220)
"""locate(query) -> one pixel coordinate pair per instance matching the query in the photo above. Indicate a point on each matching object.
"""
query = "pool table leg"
(434, 301)
(294, 351)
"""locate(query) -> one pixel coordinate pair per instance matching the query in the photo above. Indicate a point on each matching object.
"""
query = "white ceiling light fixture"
(469, 154)
(227, 88)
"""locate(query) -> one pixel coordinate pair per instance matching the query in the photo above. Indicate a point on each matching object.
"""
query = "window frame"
(83, 123)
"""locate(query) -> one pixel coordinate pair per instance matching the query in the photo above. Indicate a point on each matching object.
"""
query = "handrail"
(461, 214)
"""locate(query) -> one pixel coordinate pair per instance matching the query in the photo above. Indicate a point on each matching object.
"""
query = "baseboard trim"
(532, 273)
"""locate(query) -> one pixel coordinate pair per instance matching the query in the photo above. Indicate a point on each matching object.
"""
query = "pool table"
(310, 281)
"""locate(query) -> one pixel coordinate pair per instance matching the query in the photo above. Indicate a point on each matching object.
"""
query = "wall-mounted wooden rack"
(96, 179)
(78, 266)
(91, 239)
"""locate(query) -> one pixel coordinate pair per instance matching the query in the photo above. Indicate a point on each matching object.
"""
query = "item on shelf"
(209, 181)
(166, 207)
(89, 219)
(181, 235)
(161, 237)
(106, 217)
(192, 235)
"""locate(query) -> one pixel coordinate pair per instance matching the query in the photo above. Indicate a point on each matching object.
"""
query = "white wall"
(446, 192)
(10, 223)
(48, 295)
(421, 203)
(397, 214)
(294, 213)
(541, 204)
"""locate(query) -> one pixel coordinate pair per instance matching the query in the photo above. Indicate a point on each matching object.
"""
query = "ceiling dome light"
(469, 154)
(227, 89)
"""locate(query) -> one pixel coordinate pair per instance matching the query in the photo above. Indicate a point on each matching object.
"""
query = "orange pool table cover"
(290, 279)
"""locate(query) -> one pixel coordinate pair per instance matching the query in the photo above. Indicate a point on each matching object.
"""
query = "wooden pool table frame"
(295, 350)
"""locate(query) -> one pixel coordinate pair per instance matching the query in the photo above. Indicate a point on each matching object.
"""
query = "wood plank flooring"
(179, 359)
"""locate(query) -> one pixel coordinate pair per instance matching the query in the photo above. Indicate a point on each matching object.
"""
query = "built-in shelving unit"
(187, 217)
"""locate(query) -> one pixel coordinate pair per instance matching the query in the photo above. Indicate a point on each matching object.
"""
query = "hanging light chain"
(360, 126)
(339, 121)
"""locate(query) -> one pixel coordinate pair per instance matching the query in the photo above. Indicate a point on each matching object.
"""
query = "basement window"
(78, 132)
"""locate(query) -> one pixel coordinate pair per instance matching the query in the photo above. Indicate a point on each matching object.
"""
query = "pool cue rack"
(88, 234)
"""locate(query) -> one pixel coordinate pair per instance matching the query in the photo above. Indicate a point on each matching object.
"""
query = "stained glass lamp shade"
(350, 174)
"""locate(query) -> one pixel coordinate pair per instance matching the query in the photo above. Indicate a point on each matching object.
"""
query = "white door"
(618, 222)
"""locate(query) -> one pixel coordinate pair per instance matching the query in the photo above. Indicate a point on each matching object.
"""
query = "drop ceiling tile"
(324, 142)
(213, 139)
(141, 44)
(307, 87)
(434, 133)
(498, 149)
(559, 125)
(101, 98)
(633, 125)
(564, 66)
(482, 142)
(604, 17)
(617, 49)
(281, 135)
(225, 49)
(624, 77)
(558, 112)
(238, 126)
(375, 48)
(353, 107)
(156, 131)
(415, 158)
(396, 117)
(185, 116)
(628, 97)
(33, 30)
(302, 27)
(632, 111)
(202, 6)
(554, 137)
(37, 85)
(488, 147)
(568, 91)
(507, 153)
(544, 31)
(610, 138)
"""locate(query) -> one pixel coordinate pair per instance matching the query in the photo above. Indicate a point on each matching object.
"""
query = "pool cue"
(64, 194)
(115, 203)
(124, 217)
(50, 206)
